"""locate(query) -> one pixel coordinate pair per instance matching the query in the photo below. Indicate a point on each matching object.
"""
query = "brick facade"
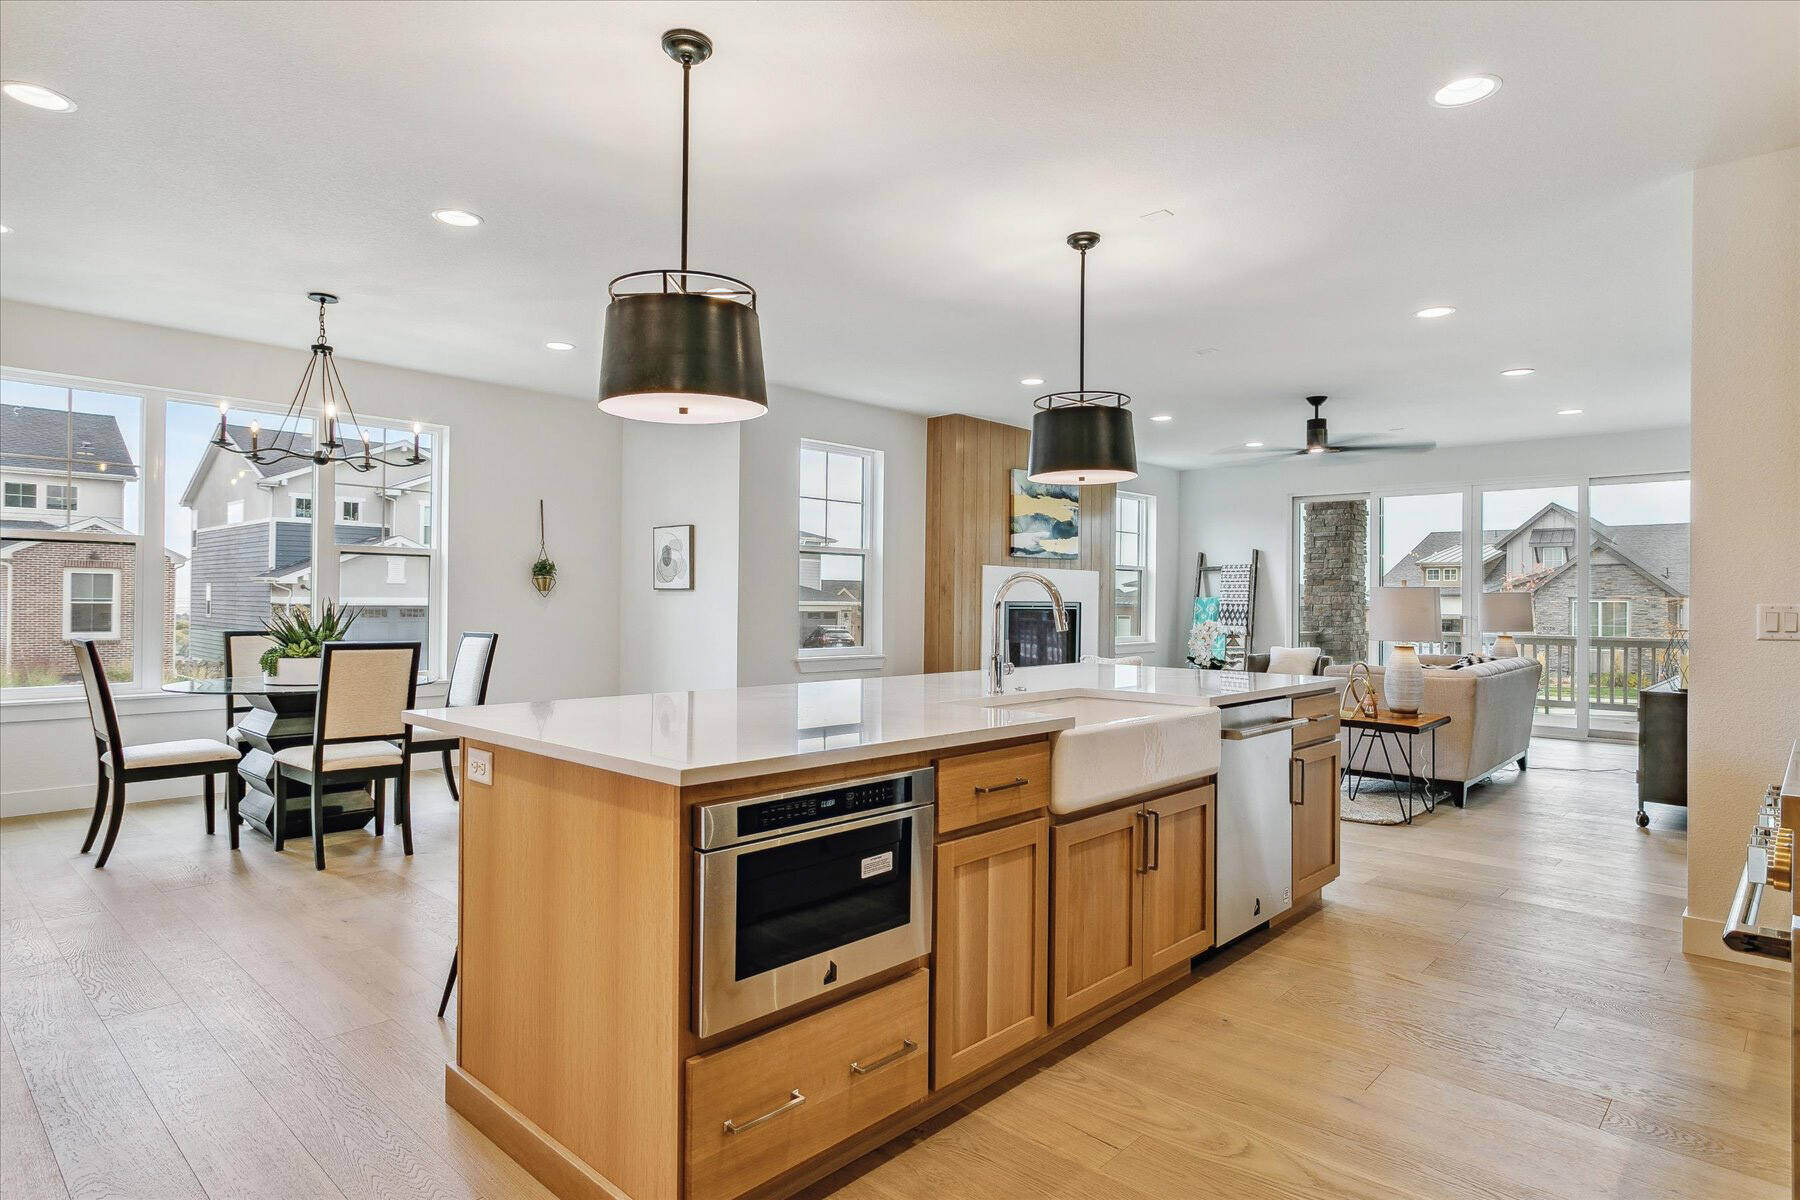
(35, 644)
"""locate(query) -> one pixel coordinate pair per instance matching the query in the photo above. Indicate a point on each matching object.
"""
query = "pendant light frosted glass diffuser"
(682, 346)
(1083, 437)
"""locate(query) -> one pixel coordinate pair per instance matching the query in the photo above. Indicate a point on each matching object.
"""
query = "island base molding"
(569, 1178)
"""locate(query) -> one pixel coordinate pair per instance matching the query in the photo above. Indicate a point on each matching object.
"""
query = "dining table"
(280, 715)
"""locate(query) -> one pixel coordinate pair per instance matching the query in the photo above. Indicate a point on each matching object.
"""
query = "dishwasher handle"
(1256, 731)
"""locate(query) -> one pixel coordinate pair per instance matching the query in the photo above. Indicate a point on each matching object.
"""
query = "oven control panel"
(789, 811)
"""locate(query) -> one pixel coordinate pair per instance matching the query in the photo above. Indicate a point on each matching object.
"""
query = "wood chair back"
(470, 669)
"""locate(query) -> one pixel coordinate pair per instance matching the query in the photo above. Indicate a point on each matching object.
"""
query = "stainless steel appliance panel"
(1255, 821)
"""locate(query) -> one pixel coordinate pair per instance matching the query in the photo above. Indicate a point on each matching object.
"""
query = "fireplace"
(1031, 636)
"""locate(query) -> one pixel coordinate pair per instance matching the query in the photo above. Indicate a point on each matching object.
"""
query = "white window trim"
(1147, 589)
(344, 507)
(237, 507)
(144, 692)
(294, 503)
(68, 599)
(33, 506)
(869, 655)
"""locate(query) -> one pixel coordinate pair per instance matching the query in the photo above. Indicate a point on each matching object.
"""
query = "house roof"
(298, 443)
(1658, 552)
(56, 439)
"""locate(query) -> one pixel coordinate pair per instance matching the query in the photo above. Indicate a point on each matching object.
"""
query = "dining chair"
(118, 764)
(469, 672)
(359, 735)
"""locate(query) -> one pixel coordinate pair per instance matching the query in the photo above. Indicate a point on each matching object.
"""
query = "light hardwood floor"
(1492, 1004)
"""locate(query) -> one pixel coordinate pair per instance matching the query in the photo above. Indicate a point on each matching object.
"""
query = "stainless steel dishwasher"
(1255, 822)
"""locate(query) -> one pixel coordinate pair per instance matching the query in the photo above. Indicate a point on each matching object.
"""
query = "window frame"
(67, 502)
(869, 655)
(69, 601)
(23, 488)
(1146, 571)
(345, 507)
(150, 621)
(294, 503)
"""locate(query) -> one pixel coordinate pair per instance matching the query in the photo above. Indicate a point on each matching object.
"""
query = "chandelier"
(289, 442)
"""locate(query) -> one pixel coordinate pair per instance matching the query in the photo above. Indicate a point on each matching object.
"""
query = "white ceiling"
(897, 179)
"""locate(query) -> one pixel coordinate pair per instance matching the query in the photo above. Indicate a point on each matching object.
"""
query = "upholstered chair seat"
(342, 756)
(170, 754)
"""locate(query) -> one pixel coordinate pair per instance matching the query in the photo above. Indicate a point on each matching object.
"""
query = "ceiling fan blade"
(1387, 447)
(1241, 450)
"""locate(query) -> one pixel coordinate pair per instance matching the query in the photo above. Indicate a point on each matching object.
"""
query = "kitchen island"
(720, 943)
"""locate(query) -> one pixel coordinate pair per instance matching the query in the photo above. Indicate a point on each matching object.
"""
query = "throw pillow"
(1293, 660)
(1469, 660)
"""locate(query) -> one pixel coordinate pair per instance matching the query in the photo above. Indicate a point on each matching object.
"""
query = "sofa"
(1490, 706)
(1260, 662)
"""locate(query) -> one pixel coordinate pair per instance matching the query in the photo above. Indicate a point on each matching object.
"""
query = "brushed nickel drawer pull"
(795, 1100)
(984, 789)
(907, 1046)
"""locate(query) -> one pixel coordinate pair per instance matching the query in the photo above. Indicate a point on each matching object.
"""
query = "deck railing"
(1617, 668)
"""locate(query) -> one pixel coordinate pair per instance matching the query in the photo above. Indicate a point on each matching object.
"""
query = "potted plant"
(543, 574)
(300, 639)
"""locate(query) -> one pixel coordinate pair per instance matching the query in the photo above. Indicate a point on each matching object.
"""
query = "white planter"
(295, 671)
(1403, 684)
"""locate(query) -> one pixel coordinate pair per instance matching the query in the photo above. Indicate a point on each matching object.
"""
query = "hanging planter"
(543, 571)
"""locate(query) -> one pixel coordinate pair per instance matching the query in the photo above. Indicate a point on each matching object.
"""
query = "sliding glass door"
(1530, 545)
(1636, 608)
(1422, 546)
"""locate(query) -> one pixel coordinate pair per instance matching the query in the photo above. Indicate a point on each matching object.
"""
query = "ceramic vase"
(1404, 683)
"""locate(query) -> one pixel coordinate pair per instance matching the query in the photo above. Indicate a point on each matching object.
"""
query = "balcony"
(1617, 668)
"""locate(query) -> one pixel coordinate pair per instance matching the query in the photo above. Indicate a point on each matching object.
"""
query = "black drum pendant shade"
(1082, 437)
(682, 346)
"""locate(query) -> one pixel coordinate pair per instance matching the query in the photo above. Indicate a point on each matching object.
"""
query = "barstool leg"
(450, 777)
(112, 825)
(211, 797)
(449, 983)
(99, 809)
(318, 822)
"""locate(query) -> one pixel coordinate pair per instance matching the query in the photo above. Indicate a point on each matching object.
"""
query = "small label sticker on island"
(877, 864)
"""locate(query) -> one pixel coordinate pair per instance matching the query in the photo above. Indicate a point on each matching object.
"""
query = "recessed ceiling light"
(1162, 417)
(37, 96)
(1517, 372)
(1032, 381)
(1253, 445)
(559, 346)
(457, 217)
(5, 228)
(1568, 412)
(1435, 311)
(1468, 90)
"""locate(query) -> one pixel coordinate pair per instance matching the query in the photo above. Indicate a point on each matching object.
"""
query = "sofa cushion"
(1293, 660)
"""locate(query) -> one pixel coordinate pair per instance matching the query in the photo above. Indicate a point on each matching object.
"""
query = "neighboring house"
(1638, 574)
(68, 471)
(253, 541)
(826, 602)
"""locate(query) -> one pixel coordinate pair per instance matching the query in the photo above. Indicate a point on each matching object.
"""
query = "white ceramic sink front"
(1121, 747)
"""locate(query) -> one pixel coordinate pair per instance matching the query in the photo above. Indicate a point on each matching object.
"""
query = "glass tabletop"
(248, 685)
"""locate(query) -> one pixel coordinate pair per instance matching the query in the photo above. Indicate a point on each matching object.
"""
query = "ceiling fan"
(1318, 441)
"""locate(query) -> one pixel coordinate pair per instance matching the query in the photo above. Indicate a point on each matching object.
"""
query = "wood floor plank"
(112, 971)
(27, 1164)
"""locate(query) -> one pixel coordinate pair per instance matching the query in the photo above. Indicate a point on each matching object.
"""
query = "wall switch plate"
(1778, 622)
(480, 767)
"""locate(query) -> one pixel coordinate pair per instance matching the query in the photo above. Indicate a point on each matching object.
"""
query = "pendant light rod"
(687, 79)
(1082, 242)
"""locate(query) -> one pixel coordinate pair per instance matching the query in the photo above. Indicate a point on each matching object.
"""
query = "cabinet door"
(1097, 895)
(1313, 792)
(1178, 887)
(993, 912)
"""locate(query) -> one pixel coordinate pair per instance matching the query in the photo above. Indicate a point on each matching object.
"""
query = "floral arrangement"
(1203, 642)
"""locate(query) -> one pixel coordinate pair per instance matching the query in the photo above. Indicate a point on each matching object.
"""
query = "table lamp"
(1509, 611)
(1405, 616)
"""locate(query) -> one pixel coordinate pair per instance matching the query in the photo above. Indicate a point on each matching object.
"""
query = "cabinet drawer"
(1325, 704)
(1317, 730)
(973, 789)
(763, 1106)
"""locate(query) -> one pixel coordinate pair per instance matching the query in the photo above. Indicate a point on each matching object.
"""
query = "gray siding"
(230, 558)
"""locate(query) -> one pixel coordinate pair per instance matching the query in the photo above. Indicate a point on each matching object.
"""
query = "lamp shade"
(1405, 614)
(1506, 612)
(1082, 444)
(682, 358)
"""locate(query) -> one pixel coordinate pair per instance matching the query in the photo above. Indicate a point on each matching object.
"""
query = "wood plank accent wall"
(968, 509)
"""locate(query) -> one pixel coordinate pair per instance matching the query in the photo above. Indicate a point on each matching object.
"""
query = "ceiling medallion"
(1082, 437)
(682, 346)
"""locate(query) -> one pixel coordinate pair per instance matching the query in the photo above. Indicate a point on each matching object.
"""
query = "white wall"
(768, 623)
(1227, 511)
(678, 475)
(507, 448)
(1744, 708)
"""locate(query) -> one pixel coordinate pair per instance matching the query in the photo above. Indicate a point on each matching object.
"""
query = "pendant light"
(1082, 437)
(682, 346)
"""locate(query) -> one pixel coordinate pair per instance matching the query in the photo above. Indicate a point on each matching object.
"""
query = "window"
(1552, 556)
(396, 570)
(352, 511)
(1433, 575)
(424, 522)
(1612, 618)
(1134, 554)
(838, 541)
(91, 604)
(1452, 574)
(302, 508)
(59, 498)
(21, 495)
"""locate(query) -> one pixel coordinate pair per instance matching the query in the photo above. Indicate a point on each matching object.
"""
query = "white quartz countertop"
(686, 738)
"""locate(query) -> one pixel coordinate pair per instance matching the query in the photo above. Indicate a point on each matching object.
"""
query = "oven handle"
(907, 1046)
(879, 817)
(795, 1100)
(1743, 929)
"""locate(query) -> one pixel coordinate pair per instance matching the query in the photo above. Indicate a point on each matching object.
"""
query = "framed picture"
(673, 563)
(1046, 519)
